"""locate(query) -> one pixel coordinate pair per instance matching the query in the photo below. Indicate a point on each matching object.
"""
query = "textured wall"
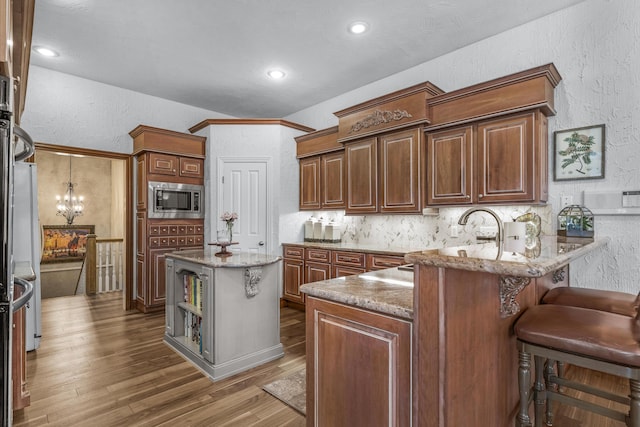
(596, 47)
(67, 110)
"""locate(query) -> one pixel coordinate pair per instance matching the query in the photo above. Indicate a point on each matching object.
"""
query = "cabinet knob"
(468, 196)
(260, 243)
(480, 195)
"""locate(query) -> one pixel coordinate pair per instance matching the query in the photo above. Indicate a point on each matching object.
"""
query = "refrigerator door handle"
(27, 288)
(28, 144)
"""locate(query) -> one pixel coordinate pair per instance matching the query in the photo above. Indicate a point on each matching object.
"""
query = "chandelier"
(69, 206)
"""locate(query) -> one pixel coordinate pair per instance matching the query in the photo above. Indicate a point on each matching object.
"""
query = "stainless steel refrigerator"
(9, 133)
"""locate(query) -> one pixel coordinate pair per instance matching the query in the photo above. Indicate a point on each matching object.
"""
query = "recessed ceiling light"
(358, 27)
(45, 51)
(276, 74)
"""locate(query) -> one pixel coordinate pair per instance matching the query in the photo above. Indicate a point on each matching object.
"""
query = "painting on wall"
(65, 243)
(579, 153)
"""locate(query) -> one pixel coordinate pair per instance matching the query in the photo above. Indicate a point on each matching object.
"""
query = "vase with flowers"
(229, 218)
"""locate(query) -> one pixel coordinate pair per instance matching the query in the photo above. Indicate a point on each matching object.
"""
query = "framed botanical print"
(579, 153)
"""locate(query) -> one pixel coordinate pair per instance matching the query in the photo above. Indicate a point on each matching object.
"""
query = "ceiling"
(214, 54)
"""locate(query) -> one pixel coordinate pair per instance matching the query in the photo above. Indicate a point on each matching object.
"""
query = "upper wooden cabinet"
(384, 174)
(498, 161)
(322, 170)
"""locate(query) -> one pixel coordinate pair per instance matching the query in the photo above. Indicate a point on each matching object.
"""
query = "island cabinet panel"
(223, 316)
(362, 176)
(465, 357)
(358, 367)
(450, 166)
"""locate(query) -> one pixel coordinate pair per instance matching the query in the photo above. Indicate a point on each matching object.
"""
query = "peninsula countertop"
(388, 291)
(207, 257)
(550, 254)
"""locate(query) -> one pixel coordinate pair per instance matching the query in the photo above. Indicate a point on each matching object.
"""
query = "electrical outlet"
(566, 200)
(454, 230)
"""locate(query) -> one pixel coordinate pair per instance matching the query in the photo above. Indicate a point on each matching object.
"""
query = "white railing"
(109, 266)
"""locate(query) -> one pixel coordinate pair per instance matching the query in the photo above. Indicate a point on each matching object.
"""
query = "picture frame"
(64, 243)
(579, 153)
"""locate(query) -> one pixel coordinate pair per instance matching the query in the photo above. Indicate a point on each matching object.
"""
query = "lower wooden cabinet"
(308, 264)
(358, 366)
(155, 239)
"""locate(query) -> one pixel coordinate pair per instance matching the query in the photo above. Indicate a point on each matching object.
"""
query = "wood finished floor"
(100, 366)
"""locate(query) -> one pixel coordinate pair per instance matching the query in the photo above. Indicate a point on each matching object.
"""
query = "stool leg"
(539, 393)
(634, 404)
(524, 386)
(548, 372)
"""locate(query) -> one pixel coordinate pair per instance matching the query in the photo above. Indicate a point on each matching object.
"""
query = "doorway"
(105, 181)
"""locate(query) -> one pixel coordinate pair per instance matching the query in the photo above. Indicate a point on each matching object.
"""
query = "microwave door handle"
(28, 144)
(26, 296)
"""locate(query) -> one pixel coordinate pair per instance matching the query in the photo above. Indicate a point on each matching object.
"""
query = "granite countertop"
(207, 257)
(356, 247)
(552, 253)
(387, 291)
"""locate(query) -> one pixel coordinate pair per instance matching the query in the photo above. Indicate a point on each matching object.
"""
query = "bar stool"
(597, 340)
(596, 299)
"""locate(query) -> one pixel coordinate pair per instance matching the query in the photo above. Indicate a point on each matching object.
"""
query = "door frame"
(129, 302)
(222, 160)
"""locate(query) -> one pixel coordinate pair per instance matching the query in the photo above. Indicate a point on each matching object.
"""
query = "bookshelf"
(223, 315)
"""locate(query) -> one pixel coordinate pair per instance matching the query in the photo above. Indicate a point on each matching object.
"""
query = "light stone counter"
(207, 257)
(24, 270)
(552, 253)
(387, 291)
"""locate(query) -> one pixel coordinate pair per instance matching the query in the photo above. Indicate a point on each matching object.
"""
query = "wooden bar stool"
(596, 299)
(597, 340)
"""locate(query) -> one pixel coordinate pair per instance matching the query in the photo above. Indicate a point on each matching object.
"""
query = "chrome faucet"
(465, 216)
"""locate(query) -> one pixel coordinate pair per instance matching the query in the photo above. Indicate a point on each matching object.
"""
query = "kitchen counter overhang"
(554, 253)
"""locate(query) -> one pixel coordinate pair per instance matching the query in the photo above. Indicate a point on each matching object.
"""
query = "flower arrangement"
(229, 218)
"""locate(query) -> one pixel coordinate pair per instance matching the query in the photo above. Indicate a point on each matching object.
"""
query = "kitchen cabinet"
(214, 319)
(497, 161)
(322, 181)
(358, 366)
(309, 264)
(166, 156)
(384, 173)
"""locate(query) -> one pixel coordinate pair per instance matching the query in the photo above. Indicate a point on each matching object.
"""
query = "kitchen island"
(462, 356)
(223, 314)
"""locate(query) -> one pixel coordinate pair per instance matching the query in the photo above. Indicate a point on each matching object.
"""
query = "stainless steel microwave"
(173, 200)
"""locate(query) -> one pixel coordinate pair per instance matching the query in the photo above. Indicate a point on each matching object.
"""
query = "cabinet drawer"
(157, 242)
(154, 230)
(293, 252)
(182, 230)
(379, 262)
(341, 271)
(352, 259)
(194, 240)
(318, 255)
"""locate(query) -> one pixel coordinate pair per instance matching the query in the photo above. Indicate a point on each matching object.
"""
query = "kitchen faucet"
(465, 216)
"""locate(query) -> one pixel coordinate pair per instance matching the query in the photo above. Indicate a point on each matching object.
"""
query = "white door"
(244, 191)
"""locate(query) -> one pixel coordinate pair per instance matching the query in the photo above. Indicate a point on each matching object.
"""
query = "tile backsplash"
(428, 231)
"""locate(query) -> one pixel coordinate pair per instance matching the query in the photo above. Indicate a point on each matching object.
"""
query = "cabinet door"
(310, 183)
(156, 272)
(192, 168)
(450, 167)
(506, 159)
(293, 273)
(400, 172)
(314, 272)
(333, 182)
(362, 176)
(358, 367)
(163, 164)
